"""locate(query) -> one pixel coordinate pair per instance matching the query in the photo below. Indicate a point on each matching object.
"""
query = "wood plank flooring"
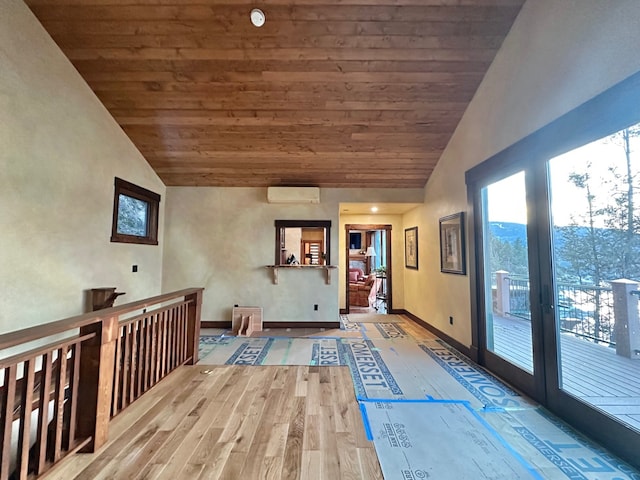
(231, 422)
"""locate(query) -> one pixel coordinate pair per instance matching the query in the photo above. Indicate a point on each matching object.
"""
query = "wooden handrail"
(37, 332)
(21, 357)
(153, 312)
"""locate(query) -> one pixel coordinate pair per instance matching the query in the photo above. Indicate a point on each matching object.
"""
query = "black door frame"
(531, 384)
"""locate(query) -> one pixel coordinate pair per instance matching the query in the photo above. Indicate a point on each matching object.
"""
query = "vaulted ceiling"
(332, 93)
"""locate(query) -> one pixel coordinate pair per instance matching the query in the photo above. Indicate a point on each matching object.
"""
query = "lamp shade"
(370, 252)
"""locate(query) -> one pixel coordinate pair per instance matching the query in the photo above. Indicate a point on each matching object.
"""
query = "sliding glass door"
(510, 323)
(556, 221)
(595, 226)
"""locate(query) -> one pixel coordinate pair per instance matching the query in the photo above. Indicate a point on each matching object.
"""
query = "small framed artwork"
(452, 251)
(411, 247)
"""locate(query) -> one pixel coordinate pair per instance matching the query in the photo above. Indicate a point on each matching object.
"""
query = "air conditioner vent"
(293, 195)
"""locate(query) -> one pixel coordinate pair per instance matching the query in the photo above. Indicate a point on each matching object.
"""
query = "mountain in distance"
(508, 232)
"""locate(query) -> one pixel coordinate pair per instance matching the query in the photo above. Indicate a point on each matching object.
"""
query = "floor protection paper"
(419, 440)
(483, 386)
(272, 351)
(554, 448)
(401, 369)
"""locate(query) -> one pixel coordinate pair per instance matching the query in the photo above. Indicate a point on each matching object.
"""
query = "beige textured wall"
(59, 153)
(222, 238)
(397, 252)
(557, 56)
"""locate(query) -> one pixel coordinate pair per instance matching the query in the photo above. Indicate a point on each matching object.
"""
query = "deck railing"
(585, 311)
(58, 397)
(603, 315)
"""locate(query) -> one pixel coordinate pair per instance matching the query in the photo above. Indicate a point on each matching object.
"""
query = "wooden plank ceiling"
(332, 93)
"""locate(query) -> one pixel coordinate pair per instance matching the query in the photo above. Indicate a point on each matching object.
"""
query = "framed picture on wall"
(411, 247)
(452, 250)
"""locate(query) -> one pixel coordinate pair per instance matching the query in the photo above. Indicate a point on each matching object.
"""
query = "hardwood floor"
(231, 422)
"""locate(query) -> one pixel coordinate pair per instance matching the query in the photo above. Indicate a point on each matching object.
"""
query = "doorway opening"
(368, 259)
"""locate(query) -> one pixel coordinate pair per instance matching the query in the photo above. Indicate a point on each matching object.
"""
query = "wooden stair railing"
(111, 359)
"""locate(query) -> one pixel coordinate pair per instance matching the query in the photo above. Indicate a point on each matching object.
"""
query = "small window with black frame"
(135, 214)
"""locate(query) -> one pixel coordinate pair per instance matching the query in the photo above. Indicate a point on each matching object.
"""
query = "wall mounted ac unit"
(293, 195)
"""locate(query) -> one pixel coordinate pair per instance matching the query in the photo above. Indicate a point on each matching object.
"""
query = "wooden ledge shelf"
(276, 268)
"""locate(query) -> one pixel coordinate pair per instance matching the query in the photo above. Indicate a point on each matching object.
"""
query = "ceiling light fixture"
(257, 17)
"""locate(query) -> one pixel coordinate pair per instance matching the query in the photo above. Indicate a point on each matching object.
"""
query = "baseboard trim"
(222, 324)
(395, 311)
(302, 324)
(226, 324)
(450, 340)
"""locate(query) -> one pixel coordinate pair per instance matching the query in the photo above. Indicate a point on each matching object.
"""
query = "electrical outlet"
(450, 320)
(315, 307)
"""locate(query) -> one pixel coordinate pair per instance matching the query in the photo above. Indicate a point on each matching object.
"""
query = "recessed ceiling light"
(257, 17)
(374, 209)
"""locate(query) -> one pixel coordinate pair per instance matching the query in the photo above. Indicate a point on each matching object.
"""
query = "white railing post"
(502, 293)
(626, 318)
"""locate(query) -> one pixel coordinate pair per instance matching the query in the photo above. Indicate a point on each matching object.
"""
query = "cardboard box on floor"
(246, 320)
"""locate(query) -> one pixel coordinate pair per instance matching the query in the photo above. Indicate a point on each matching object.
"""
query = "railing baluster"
(149, 360)
(43, 417)
(170, 347)
(6, 422)
(126, 365)
(24, 431)
(159, 340)
(165, 334)
(58, 407)
(115, 406)
(144, 357)
(169, 339)
(76, 350)
(141, 355)
(180, 335)
(174, 344)
(134, 364)
(184, 333)
(178, 338)
(154, 350)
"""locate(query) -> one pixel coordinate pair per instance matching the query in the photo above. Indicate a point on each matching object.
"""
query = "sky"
(507, 197)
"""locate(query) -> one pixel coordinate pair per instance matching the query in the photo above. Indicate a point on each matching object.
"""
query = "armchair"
(356, 275)
(363, 294)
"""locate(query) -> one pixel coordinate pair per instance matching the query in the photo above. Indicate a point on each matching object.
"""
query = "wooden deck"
(593, 373)
(232, 422)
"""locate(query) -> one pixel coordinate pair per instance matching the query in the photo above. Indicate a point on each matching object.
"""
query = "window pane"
(132, 216)
(506, 263)
(596, 252)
